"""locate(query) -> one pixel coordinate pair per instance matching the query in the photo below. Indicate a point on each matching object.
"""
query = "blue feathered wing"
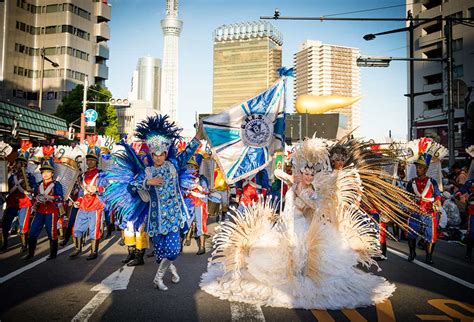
(124, 179)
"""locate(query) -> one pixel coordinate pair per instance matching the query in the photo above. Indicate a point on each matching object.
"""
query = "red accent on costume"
(383, 232)
(426, 205)
(91, 202)
(17, 199)
(49, 207)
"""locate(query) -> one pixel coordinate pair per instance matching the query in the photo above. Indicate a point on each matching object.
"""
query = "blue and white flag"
(244, 138)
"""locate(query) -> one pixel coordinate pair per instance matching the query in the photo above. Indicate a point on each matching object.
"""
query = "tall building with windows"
(144, 96)
(323, 69)
(246, 58)
(74, 36)
(430, 117)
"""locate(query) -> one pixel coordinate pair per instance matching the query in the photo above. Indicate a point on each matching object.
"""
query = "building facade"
(144, 97)
(430, 117)
(74, 36)
(171, 27)
(246, 58)
(323, 69)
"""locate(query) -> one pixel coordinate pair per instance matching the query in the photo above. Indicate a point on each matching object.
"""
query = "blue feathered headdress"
(159, 133)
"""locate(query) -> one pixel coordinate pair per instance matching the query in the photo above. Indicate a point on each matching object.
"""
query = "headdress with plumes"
(159, 133)
(5, 150)
(24, 151)
(423, 151)
(93, 151)
(311, 155)
(470, 151)
(47, 162)
(106, 146)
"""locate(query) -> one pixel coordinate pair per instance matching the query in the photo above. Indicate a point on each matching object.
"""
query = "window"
(433, 79)
(433, 28)
(458, 71)
(433, 53)
(52, 8)
(50, 30)
(471, 12)
(431, 4)
(434, 104)
(457, 44)
(50, 51)
(456, 15)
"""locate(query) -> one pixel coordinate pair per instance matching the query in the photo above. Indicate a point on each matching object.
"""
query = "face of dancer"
(420, 170)
(338, 164)
(159, 159)
(307, 178)
(91, 163)
(19, 165)
(47, 175)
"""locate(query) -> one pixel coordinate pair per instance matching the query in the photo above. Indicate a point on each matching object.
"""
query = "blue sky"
(136, 32)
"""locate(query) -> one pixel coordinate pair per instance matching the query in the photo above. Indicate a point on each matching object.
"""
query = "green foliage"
(71, 109)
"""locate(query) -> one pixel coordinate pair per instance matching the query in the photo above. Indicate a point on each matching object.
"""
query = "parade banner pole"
(281, 181)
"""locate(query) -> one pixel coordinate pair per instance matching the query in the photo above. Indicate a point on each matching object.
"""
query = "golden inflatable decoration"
(321, 104)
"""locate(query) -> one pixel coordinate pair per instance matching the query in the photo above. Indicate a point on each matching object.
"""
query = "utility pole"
(449, 64)
(40, 102)
(412, 77)
(83, 114)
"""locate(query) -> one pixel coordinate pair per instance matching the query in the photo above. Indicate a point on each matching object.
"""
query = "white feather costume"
(307, 257)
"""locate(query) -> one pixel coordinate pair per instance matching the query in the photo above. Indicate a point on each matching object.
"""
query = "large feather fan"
(120, 195)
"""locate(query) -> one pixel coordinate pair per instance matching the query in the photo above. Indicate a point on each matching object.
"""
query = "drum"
(215, 197)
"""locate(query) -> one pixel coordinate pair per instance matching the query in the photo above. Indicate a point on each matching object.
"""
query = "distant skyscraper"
(148, 84)
(172, 27)
(74, 36)
(323, 69)
(144, 96)
(246, 58)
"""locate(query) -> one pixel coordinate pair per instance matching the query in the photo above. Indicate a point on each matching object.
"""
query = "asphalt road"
(65, 290)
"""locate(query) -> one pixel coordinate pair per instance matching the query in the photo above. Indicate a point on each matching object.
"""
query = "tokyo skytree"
(171, 27)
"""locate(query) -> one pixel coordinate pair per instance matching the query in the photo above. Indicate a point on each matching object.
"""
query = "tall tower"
(172, 27)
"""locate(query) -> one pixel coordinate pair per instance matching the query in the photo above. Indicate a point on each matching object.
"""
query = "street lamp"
(54, 64)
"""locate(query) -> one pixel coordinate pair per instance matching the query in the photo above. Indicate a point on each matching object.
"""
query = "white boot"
(175, 279)
(158, 280)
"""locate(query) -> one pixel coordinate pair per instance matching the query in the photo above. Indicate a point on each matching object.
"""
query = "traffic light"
(71, 133)
(122, 102)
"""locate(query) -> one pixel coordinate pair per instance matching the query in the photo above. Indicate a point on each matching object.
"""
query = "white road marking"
(118, 280)
(434, 270)
(246, 312)
(19, 271)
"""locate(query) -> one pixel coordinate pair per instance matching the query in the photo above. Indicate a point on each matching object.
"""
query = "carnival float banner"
(244, 138)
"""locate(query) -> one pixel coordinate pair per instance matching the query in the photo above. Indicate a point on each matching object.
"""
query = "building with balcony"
(430, 117)
(323, 69)
(246, 58)
(74, 36)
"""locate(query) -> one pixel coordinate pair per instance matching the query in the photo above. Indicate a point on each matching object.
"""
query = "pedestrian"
(48, 198)
(428, 197)
(21, 185)
(89, 215)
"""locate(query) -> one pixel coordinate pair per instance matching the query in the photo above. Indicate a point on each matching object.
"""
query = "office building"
(430, 118)
(323, 69)
(246, 58)
(74, 36)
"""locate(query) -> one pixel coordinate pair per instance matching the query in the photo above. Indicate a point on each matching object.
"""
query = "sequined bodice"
(167, 213)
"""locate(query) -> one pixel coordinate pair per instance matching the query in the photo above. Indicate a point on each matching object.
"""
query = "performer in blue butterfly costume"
(166, 214)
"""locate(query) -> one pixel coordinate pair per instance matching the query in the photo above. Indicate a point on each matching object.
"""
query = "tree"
(70, 109)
